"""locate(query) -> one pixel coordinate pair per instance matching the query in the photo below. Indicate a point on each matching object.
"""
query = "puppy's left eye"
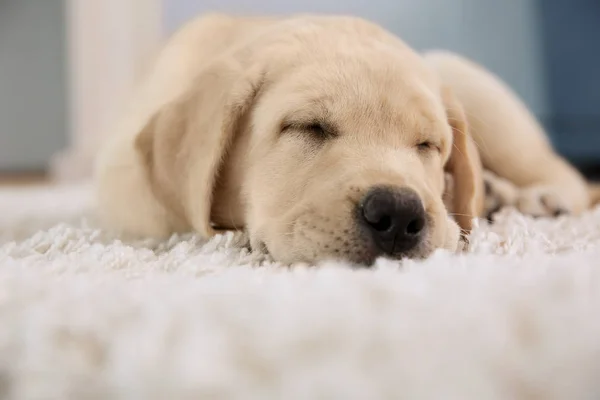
(426, 146)
(316, 129)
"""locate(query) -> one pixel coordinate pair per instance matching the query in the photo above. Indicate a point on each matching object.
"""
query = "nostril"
(377, 212)
(415, 226)
(383, 224)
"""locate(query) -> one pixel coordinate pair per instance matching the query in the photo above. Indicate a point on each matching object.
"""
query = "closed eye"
(427, 146)
(316, 129)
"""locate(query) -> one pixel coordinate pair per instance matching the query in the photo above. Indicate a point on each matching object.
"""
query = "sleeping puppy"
(323, 137)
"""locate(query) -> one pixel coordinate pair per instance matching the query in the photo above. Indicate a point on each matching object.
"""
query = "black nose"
(395, 218)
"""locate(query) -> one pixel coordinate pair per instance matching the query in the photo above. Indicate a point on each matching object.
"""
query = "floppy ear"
(464, 166)
(184, 144)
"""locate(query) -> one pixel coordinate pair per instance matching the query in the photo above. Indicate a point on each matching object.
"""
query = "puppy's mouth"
(388, 222)
(356, 245)
(395, 249)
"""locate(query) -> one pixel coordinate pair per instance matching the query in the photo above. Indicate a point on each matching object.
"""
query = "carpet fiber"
(87, 315)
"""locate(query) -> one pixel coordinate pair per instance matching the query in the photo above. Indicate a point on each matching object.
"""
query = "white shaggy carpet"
(84, 315)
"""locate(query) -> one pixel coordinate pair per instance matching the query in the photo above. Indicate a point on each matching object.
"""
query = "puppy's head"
(332, 157)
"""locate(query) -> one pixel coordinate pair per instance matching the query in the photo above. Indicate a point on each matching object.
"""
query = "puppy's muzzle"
(394, 218)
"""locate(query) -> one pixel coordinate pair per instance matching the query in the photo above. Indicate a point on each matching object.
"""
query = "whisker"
(461, 215)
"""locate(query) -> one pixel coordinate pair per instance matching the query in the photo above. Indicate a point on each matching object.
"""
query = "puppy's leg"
(499, 193)
(511, 143)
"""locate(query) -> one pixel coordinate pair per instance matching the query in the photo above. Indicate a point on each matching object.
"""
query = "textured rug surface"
(85, 314)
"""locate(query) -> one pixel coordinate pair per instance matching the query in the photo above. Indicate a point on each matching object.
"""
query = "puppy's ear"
(463, 165)
(184, 144)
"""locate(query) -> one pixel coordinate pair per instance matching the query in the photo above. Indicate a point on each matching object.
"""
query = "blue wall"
(503, 35)
(571, 33)
(548, 51)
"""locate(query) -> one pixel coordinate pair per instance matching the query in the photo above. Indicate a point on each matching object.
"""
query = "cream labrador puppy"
(323, 137)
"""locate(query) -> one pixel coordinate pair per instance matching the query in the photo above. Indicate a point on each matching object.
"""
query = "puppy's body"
(323, 137)
(511, 143)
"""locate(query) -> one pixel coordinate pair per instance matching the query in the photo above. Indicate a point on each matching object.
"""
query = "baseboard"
(23, 177)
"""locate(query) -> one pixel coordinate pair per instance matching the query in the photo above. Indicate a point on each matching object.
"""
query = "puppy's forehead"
(360, 94)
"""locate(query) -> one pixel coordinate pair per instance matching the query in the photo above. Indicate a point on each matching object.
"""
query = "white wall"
(502, 35)
(109, 44)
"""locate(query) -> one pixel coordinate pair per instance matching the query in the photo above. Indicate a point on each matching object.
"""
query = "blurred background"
(67, 65)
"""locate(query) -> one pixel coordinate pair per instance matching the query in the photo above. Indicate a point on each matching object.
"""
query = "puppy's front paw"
(499, 193)
(541, 201)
